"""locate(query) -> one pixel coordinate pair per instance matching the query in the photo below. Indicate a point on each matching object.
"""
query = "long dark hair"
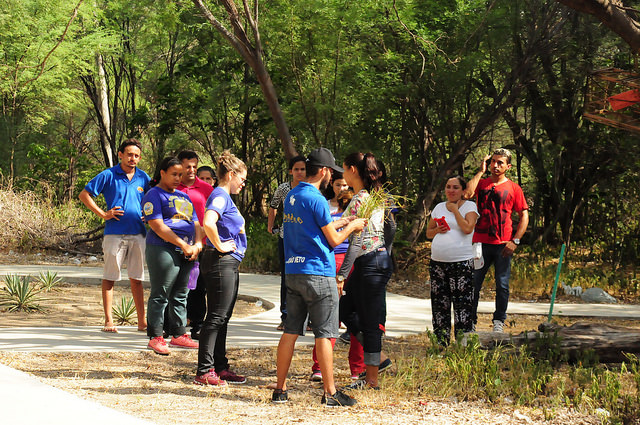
(329, 193)
(165, 164)
(367, 167)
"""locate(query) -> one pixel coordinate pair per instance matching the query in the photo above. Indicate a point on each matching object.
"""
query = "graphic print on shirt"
(494, 217)
(184, 209)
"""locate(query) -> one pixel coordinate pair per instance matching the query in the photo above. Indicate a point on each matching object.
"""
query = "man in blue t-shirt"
(309, 237)
(123, 187)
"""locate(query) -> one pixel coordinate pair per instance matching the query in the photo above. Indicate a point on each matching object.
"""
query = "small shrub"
(48, 280)
(262, 249)
(19, 294)
(124, 311)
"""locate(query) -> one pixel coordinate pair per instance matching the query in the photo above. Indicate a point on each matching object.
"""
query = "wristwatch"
(516, 241)
(340, 279)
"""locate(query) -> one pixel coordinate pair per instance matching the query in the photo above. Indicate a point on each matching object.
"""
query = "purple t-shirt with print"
(230, 222)
(174, 209)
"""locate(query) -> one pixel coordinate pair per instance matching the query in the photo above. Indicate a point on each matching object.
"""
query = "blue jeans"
(492, 254)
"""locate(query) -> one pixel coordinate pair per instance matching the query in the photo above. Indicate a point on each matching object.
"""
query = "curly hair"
(229, 162)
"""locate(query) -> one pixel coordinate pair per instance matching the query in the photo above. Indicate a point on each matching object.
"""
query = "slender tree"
(252, 52)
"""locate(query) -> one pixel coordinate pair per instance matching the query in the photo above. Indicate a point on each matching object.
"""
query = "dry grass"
(160, 389)
(31, 221)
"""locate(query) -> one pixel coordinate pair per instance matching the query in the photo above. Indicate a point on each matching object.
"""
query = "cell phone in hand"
(442, 222)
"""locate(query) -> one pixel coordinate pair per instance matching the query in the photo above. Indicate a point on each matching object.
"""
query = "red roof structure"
(613, 99)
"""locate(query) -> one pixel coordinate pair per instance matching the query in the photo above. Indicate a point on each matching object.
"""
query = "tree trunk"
(608, 342)
(252, 54)
(104, 115)
(613, 15)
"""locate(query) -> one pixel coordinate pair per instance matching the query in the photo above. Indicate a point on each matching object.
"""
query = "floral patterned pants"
(451, 283)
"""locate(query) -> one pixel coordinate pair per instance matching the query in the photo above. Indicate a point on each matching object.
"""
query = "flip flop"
(110, 329)
(142, 330)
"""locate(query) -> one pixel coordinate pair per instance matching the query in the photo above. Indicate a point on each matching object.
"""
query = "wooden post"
(555, 284)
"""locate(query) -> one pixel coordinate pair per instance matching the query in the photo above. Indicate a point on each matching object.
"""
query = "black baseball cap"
(322, 157)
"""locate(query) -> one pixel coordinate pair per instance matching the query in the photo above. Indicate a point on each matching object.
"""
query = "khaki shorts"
(121, 249)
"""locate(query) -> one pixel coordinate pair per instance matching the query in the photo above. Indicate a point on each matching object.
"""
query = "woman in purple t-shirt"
(226, 245)
(173, 243)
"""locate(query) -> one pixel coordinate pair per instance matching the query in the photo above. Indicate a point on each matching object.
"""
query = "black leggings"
(367, 291)
(221, 278)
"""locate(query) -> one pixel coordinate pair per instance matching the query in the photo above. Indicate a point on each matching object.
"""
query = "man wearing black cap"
(309, 238)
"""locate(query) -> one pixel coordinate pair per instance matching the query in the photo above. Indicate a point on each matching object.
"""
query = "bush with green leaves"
(48, 280)
(20, 295)
(124, 311)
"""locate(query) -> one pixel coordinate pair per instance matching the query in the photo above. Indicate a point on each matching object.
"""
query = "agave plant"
(124, 311)
(48, 280)
(20, 294)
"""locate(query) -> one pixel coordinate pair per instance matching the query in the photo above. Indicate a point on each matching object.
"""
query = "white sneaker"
(498, 326)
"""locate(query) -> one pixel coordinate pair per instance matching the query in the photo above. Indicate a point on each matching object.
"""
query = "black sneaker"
(339, 399)
(381, 368)
(345, 337)
(279, 396)
(360, 384)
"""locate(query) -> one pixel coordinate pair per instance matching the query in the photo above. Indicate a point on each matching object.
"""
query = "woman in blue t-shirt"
(226, 245)
(173, 243)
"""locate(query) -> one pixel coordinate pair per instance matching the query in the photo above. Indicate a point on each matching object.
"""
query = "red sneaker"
(232, 378)
(209, 378)
(159, 345)
(183, 341)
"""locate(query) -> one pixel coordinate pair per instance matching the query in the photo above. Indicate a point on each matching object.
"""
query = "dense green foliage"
(429, 87)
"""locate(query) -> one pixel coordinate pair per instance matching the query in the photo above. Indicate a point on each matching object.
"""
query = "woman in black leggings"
(372, 266)
(226, 246)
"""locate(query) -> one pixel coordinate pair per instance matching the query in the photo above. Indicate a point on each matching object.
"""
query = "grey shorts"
(316, 296)
(121, 249)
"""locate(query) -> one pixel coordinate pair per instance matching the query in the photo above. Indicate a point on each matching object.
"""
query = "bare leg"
(372, 375)
(285, 353)
(138, 299)
(107, 303)
(325, 359)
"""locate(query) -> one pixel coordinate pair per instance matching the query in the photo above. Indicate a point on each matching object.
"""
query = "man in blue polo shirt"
(309, 237)
(123, 187)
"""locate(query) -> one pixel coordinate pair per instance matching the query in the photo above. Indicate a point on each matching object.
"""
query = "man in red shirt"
(497, 197)
(199, 191)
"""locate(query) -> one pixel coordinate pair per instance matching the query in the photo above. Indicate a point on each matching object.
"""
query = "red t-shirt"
(199, 192)
(495, 205)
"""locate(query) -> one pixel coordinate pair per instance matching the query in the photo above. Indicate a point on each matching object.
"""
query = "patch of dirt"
(81, 305)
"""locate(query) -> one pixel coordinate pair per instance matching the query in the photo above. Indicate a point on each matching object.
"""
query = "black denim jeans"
(283, 285)
(368, 285)
(221, 277)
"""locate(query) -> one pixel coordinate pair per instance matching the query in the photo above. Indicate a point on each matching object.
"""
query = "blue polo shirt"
(119, 191)
(306, 249)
